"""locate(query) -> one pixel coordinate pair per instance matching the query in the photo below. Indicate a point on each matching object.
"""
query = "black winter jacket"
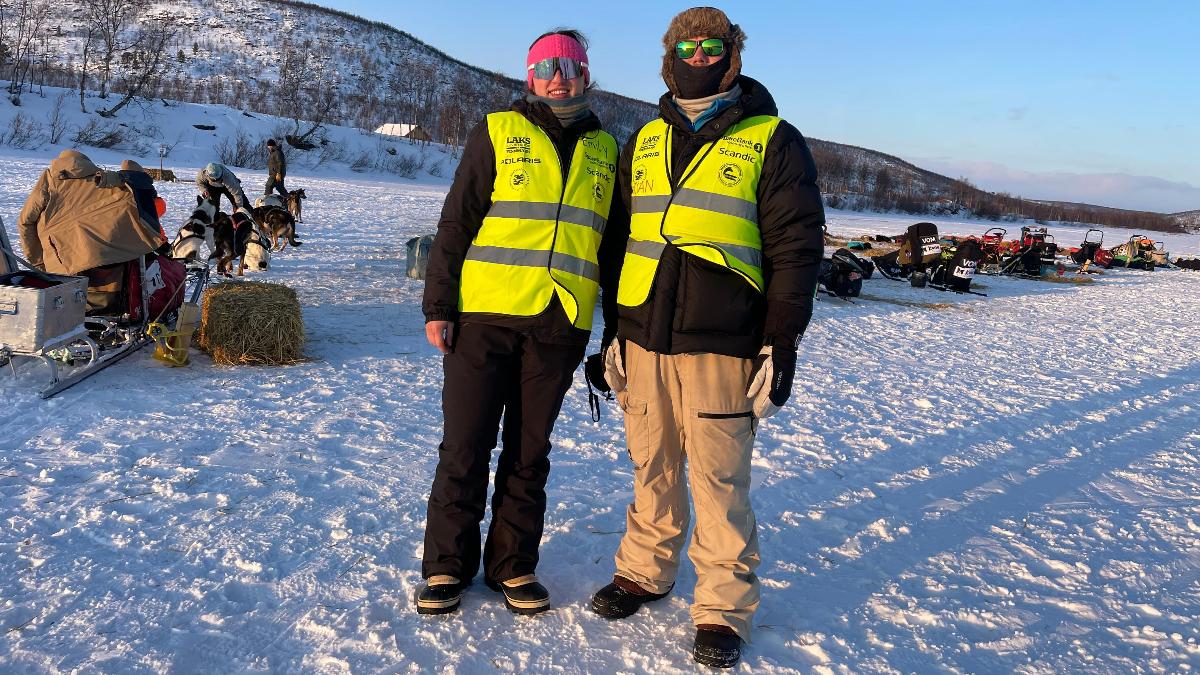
(468, 202)
(276, 162)
(698, 306)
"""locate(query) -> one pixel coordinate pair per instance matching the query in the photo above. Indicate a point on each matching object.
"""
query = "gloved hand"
(602, 372)
(593, 370)
(614, 366)
(771, 380)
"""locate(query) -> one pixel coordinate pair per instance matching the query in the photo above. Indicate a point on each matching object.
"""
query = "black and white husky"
(258, 252)
(196, 232)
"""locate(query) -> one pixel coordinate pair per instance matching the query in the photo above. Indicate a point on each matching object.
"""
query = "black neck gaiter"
(698, 81)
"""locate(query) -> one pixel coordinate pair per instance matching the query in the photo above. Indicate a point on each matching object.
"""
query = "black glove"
(593, 370)
(771, 380)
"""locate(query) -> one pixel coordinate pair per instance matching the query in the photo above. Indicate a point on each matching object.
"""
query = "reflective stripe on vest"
(713, 212)
(540, 237)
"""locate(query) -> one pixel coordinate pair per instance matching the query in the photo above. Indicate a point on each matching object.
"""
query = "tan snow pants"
(691, 407)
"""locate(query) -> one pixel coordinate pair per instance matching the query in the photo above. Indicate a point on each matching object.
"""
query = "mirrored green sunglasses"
(686, 49)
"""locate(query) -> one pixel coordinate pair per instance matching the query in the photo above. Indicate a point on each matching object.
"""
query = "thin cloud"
(1121, 190)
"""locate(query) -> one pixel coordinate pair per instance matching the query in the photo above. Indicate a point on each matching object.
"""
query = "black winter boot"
(716, 646)
(441, 594)
(622, 598)
(523, 595)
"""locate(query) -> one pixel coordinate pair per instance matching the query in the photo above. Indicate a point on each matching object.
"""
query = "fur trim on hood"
(703, 22)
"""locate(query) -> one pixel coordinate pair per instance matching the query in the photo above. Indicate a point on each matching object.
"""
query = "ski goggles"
(570, 68)
(686, 49)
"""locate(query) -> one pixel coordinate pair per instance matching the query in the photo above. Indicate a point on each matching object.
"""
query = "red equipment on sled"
(991, 249)
(1035, 249)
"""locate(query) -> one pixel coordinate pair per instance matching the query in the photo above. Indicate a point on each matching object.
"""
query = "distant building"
(411, 131)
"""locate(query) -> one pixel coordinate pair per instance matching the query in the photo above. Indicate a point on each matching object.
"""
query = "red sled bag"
(163, 287)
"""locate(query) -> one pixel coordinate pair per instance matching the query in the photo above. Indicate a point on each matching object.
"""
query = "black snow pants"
(495, 371)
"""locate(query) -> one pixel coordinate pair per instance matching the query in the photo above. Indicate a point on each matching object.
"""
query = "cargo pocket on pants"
(637, 429)
(725, 440)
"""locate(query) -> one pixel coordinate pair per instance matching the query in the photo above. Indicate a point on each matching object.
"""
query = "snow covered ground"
(960, 484)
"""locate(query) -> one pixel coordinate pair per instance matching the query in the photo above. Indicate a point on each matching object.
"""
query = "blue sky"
(1090, 101)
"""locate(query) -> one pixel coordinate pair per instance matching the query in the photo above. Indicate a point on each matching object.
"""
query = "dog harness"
(712, 213)
(541, 236)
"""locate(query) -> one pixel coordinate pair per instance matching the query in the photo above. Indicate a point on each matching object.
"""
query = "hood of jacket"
(74, 164)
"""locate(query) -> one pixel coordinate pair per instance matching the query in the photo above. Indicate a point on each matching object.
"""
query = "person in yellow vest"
(724, 247)
(510, 293)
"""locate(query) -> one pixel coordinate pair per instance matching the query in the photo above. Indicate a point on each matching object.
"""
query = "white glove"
(614, 367)
(761, 378)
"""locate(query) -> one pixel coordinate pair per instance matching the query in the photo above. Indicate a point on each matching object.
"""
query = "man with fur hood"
(724, 247)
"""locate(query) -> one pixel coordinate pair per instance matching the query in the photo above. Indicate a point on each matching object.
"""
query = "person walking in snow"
(216, 180)
(276, 170)
(724, 247)
(510, 291)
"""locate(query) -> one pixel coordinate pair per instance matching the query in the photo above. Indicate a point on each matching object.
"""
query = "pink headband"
(554, 45)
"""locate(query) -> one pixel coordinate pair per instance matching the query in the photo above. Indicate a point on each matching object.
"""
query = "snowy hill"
(1188, 219)
(269, 56)
(191, 135)
(308, 63)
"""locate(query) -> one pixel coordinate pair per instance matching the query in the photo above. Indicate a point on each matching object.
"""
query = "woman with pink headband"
(510, 293)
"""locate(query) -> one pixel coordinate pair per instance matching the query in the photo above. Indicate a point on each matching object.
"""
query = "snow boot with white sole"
(523, 595)
(441, 594)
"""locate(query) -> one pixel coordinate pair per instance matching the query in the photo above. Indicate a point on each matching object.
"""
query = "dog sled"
(44, 317)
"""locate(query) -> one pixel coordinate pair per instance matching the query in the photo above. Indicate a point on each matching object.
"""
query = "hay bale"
(252, 323)
(163, 175)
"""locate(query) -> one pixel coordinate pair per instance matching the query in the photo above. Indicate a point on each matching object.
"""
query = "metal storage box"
(32, 319)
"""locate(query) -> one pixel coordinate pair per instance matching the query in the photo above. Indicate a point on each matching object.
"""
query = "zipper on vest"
(562, 194)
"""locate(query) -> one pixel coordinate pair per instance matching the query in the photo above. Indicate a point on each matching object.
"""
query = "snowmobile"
(957, 267)
(43, 317)
(919, 250)
(1137, 253)
(1091, 252)
(1035, 249)
(992, 248)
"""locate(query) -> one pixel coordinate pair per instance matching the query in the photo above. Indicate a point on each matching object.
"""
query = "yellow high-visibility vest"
(711, 214)
(540, 237)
